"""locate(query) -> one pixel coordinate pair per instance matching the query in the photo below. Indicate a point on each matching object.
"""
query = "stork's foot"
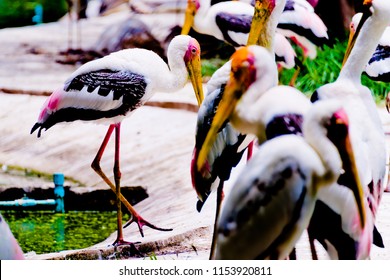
(121, 242)
(133, 251)
(141, 222)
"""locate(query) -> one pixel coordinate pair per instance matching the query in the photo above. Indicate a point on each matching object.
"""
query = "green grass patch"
(324, 69)
(20, 13)
(47, 232)
(209, 66)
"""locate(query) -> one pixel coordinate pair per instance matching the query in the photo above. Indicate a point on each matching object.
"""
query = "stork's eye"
(193, 50)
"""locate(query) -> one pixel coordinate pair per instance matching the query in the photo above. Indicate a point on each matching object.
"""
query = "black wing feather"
(123, 83)
(236, 23)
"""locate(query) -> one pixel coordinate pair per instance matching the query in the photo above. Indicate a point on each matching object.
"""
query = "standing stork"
(272, 200)
(339, 235)
(230, 145)
(231, 22)
(109, 89)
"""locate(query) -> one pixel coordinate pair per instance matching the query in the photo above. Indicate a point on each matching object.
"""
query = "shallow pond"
(47, 232)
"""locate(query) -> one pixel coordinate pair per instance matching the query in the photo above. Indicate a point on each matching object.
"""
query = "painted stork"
(272, 200)
(9, 247)
(231, 22)
(109, 89)
(227, 151)
(339, 235)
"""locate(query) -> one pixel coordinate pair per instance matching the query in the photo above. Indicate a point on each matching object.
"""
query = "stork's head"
(380, 9)
(192, 8)
(339, 135)
(194, 67)
(334, 119)
(248, 65)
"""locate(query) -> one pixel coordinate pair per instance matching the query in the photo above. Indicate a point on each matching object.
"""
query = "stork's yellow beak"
(189, 16)
(351, 170)
(194, 67)
(354, 34)
(225, 108)
(240, 79)
(356, 185)
(262, 12)
(195, 74)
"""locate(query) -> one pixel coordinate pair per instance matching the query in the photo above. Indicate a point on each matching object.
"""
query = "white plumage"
(300, 23)
(111, 88)
(271, 203)
(367, 135)
(230, 21)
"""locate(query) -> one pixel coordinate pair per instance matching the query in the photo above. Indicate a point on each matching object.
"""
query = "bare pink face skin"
(313, 2)
(192, 51)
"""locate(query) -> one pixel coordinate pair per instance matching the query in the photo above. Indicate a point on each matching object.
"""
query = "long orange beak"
(238, 83)
(353, 35)
(225, 108)
(189, 17)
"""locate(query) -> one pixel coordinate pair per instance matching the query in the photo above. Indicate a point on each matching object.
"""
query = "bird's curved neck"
(176, 77)
(245, 117)
(365, 45)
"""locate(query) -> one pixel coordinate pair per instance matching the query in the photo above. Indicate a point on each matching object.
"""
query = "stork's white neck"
(245, 116)
(200, 24)
(176, 77)
(365, 45)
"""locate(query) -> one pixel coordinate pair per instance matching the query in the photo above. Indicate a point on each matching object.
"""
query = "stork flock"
(319, 165)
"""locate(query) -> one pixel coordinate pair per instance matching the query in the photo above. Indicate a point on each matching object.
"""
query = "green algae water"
(48, 232)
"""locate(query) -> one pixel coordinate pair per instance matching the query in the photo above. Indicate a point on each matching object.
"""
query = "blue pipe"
(59, 192)
(58, 202)
(27, 202)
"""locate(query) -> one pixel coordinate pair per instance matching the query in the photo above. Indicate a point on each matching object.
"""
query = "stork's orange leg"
(96, 166)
